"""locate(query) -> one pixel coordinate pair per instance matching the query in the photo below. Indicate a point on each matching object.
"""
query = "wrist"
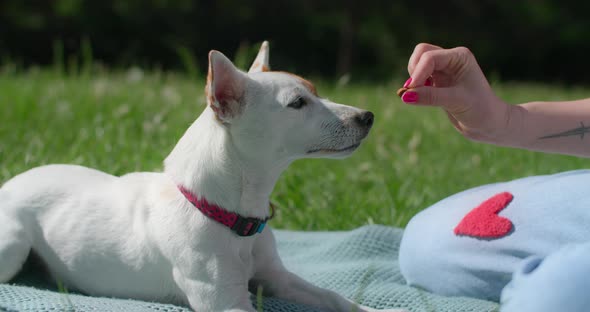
(514, 127)
(509, 125)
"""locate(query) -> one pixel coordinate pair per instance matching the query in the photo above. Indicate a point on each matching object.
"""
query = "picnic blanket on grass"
(361, 265)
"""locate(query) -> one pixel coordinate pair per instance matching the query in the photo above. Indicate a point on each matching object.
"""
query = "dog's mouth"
(349, 148)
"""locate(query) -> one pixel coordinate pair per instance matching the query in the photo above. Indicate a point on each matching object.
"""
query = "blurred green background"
(540, 40)
(113, 85)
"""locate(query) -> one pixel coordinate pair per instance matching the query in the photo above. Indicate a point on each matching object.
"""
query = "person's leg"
(559, 282)
(469, 244)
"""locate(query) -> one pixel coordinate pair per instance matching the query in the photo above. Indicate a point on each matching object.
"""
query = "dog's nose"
(365, 119)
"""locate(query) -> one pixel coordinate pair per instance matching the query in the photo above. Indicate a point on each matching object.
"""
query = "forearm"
(554, 127)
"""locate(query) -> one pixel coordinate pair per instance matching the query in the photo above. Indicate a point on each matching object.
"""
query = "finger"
(438, 60)
(441, 79)
(418, 51)
(432, 96)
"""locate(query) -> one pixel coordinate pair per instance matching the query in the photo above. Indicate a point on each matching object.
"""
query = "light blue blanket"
(360, 264)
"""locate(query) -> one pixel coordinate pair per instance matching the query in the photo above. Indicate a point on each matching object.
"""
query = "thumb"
(433, 96)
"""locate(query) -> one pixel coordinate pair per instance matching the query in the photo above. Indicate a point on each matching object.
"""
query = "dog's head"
(277, 116)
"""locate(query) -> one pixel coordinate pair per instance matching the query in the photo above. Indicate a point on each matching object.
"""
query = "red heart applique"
(484, 222)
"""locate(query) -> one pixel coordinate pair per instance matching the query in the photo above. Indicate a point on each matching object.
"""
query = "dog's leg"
(210, 295)
(14, 248)
(286, 285)
(278, 282)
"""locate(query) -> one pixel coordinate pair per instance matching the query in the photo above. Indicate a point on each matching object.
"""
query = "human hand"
(452, 80)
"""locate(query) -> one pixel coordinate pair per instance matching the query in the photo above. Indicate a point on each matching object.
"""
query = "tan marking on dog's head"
(208, 94)
(260, 67)
(208, 84)
(308, 85)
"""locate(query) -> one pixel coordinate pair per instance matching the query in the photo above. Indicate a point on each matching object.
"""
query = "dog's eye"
(298, 103)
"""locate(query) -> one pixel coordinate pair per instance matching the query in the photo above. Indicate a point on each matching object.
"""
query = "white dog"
(194, 234)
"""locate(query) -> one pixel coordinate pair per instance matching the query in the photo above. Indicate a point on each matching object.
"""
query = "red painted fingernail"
(407, 84)
(428, 82)
(410, 97)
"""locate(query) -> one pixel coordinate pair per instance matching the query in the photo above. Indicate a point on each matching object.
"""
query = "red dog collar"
(242, 226)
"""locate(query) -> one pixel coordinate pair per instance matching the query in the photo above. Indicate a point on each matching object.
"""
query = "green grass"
(127, 121)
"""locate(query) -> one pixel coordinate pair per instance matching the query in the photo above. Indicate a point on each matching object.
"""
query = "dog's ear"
(261, 62)
(225, 86)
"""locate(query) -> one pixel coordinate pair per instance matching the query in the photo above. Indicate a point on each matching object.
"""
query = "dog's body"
(138, 236)
(96, 232)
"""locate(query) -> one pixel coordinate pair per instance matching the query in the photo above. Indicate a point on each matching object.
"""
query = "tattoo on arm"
(581, 130)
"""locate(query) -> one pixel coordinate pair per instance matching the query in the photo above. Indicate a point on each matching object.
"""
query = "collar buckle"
(248, 226)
